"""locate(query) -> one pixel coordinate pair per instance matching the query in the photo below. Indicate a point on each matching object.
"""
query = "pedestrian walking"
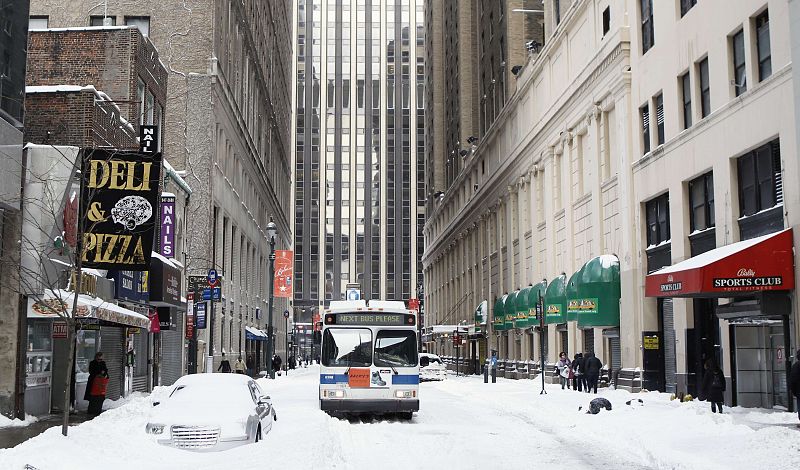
(239, 366)
(292, 362)
(224, 365)
(577, 372)
(713, 385)
(276, 363)
(250, 364)
(591, 371)
(794, 381)
(96, 384)
(564, 369)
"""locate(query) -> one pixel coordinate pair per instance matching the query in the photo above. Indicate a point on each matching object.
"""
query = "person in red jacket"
(97, 372)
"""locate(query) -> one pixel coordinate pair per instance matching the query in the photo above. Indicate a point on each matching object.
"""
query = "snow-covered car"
(210, 412)
(431, 367)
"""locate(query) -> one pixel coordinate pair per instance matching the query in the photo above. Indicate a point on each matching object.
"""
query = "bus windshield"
(347, 347)
(396, 348)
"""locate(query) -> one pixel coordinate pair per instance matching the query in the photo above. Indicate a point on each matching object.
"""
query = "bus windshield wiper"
(394, 370)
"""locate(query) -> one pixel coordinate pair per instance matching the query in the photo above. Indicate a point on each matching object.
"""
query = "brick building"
(227, 127)
(93, 87)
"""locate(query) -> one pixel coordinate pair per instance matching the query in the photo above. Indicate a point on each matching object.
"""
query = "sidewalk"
(12, 436)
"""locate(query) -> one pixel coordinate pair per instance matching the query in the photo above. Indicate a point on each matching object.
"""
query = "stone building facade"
(226, 130)
(632, 144)
(12, 93)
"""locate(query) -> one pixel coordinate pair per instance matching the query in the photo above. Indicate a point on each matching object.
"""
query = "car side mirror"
(424, 362)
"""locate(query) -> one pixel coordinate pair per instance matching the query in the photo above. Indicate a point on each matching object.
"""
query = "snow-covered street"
(462, 423)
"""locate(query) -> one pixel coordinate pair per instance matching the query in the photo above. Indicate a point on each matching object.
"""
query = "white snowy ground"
(463, 424)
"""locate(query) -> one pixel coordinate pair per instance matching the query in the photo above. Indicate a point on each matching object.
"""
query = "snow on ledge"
(80, 28)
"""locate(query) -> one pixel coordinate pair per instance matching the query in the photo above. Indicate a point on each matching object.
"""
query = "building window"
(687, 5)
(557, 11)
(701, 202)
(97, 20)
(38, 22)
(705, 88)
(659, 100)
(644, 111)
(141, 22)
(606, 20)
(686, 92)
(739, 69)
(760, 185)
(657, 220)
(648, 33)
(764, 52)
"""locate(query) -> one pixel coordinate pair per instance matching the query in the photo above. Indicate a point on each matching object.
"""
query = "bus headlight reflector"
(403, 394)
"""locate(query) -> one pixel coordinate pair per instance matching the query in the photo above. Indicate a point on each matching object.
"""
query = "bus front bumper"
(369, 406)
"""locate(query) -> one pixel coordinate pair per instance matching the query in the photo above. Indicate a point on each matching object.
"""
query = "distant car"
(210, 412)
(431, 367)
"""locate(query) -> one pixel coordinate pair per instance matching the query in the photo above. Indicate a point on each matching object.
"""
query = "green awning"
(510, 310)
(573, 297)
(523, 308)
(555, 301)
(599, 293)
(498, 314)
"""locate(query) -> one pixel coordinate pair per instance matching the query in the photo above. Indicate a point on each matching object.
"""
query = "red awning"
(759, 264)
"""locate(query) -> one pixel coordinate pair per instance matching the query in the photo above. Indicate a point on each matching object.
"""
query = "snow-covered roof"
(81, 28)
(164, 260)
(59, 88)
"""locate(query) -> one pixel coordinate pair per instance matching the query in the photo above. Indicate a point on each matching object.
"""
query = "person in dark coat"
(224, 365)
(591, 371)
(250, 364)
(577, 372)
(713, 385)
(794, 381)
(97, 368)
(276, 363)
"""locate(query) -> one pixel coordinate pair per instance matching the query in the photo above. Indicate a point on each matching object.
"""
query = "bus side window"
(424, 361)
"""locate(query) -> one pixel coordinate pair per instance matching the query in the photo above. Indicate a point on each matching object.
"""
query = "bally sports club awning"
(764, 263)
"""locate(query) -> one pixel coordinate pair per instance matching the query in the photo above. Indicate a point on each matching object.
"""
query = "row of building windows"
(701, 73)
(760, 188)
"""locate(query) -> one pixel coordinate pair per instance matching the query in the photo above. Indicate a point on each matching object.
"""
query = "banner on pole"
(284, 265)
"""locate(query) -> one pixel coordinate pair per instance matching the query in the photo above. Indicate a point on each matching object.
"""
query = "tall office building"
(359, 145)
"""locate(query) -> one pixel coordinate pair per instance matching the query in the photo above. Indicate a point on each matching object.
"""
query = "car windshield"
(347, 347)
(396, 348)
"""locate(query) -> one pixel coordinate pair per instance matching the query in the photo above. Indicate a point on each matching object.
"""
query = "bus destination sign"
(370, 319)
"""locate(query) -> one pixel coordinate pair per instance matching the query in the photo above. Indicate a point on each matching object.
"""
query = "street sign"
(413, 304)
(196, 285)
(353, 294)
(212, 277)
(285, 314)
(200, 313)
(284, 265)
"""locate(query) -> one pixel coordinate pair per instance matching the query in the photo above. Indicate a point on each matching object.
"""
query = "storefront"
(131, 289)
(751, 283)
(499, 326)
(100, 327)
(476, 335)
(165, 295)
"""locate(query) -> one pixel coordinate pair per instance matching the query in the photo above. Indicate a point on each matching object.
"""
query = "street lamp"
(540, 313)
(272, 231)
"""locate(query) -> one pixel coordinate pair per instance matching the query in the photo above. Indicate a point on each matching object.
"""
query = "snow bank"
(463, 423)
(17, 423)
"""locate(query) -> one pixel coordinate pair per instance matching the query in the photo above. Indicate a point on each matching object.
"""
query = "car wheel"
(408, 415)
(258, 433)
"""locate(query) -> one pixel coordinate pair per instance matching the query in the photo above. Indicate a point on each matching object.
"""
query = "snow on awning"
(56, 304)
(760, 264)
(254, 334)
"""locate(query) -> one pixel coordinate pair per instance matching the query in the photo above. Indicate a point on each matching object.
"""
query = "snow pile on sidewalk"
(17, 423)
(463, 423)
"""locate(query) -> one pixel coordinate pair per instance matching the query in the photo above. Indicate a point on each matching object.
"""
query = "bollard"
(494, 374)
(486, 372)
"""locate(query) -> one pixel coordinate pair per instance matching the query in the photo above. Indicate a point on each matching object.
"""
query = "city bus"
(369, 362)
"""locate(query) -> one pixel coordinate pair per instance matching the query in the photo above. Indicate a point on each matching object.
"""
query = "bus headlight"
(333, 393)
(404, 394)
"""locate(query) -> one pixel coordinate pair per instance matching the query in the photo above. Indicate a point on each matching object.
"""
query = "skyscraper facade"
(359, 145)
